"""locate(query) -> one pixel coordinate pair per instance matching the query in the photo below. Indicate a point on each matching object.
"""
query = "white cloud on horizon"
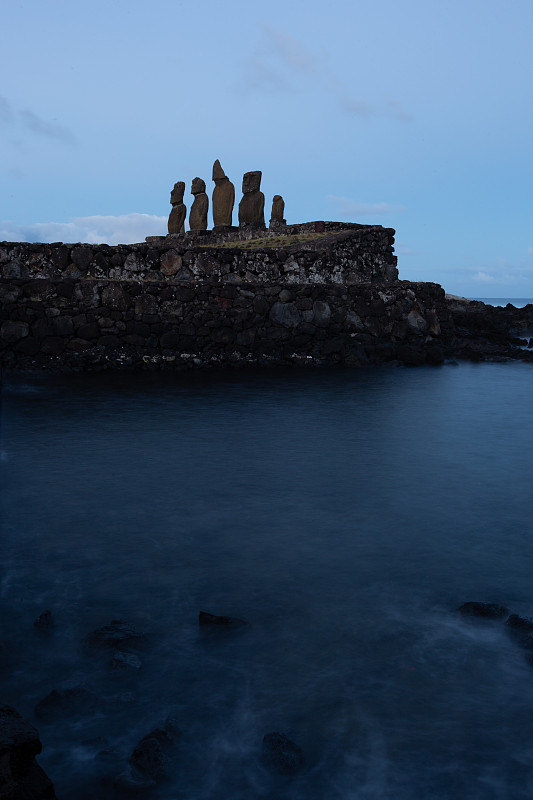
(345, 207)
(121, 229)
(483, 277)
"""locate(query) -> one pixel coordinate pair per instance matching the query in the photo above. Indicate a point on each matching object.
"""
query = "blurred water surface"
(344, 514)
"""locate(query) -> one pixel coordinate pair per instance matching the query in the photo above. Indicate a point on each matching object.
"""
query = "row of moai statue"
(251, 207)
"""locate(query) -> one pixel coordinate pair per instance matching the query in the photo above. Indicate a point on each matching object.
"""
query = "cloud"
(6, 112)
(30, 122)
(483, 277)
(279, 62)
(122, 229)
(49, 130)
(344, 207)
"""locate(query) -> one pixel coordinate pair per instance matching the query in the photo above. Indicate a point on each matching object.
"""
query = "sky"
(416, 115)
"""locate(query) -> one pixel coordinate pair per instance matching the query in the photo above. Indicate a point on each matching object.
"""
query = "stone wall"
(86, 323)
(352, 255)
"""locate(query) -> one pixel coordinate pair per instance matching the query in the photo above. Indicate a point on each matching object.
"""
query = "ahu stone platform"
(317, 293)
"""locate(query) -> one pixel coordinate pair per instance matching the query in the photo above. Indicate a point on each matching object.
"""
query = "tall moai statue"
(223, 197)
(176, 219)
(252, 205)
(200, 206)
(278, 210)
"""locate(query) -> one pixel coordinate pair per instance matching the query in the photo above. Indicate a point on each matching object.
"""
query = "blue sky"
(415, 115)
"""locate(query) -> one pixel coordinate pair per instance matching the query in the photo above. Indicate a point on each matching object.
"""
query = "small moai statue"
(223, 197)
(200, 206)
(278, 209)
(176, 219)
(252, 205)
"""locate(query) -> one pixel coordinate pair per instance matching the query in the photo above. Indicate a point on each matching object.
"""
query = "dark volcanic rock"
(520, 625)
(151, 757)
(117, 635)
(485, 610)
(204, 618)
(128, 661)
(21, 778)
(71, 702)
(45, 623)
(281, 755)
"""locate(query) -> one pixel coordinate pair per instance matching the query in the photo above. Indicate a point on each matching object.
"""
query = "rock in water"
(204, 618)
(73, 702)
(252, 205)
(117, 635)
(21, 778)
(485, 610)
(151, 756)
(281, 755)
(223, 197)
(520, 625)
(200, 206)
(176, 220)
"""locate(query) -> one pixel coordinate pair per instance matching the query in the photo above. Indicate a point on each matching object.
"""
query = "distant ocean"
(517, 302)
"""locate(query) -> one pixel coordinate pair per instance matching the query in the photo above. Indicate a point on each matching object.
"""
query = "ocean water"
(517, 302)
(344, 514)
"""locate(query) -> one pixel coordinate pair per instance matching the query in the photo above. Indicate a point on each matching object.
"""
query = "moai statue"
(252, 205)
(278, 209)
(200, 206)
(223, 197)
(176, 220)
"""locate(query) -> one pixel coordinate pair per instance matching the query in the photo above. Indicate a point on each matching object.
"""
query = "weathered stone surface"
(252, 205)
(278, 210)
(285, 314)
(12, 331)
(21, 778)
(176, 220)
(280, 754)
(200, 206)
(474, 608)
(171, 262)
(223, 197)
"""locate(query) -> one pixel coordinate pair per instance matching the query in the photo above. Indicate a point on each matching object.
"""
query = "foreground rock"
(151, 760)
(206, 619)
(483, 610)
(21, 778)
(280, 754)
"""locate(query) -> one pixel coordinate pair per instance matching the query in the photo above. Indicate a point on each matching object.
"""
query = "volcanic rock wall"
(331, 297)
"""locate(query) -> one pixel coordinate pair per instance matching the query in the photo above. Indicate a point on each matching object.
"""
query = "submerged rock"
(519, 624)
(485, 610)
(117, 635)
(204, 618)
(281, 754)
(71, 702)
(151, 757)
(44, 624)
(123, 660)
(21, 778)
